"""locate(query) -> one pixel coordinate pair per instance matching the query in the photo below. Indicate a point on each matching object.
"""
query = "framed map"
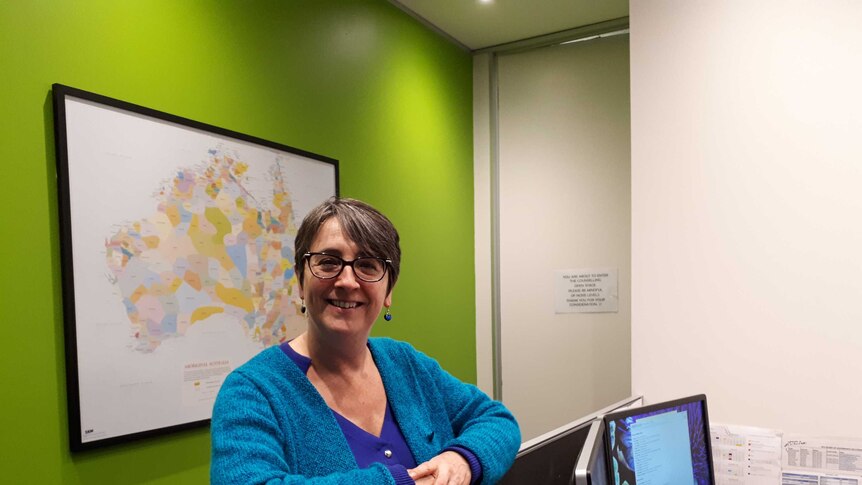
(177, 260)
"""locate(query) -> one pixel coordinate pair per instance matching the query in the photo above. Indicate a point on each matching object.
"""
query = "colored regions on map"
(209, 248)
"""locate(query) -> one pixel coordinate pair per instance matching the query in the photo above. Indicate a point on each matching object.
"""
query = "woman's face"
(343, 304)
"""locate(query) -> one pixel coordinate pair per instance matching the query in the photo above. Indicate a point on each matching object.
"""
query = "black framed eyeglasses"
(327, 266)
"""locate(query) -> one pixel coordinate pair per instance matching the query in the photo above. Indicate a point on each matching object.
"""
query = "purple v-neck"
(390, 448)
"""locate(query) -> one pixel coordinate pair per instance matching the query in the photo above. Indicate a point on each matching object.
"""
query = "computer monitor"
(660, 443)
(591, 467)
(550, 458)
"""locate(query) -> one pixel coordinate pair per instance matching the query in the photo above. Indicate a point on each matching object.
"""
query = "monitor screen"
(590, 469)
(659, 444)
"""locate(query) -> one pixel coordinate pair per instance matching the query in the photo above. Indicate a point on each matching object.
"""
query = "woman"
(335, 406)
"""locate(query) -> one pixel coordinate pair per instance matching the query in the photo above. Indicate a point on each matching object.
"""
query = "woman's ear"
(387, 302)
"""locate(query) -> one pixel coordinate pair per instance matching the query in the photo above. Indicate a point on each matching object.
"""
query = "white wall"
(564, 204)
(746, 209)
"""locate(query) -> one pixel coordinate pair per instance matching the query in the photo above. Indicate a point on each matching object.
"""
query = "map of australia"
(209, 247)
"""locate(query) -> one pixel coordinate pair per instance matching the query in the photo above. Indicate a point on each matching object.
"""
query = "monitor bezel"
(701, 398)
(583, 473)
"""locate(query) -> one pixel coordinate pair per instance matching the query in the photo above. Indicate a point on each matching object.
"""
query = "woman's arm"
(480, 424)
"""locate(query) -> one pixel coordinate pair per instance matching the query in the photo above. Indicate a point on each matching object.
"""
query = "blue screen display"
(661, 446)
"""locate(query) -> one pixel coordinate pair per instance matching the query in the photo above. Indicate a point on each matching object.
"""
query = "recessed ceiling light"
(486, 1)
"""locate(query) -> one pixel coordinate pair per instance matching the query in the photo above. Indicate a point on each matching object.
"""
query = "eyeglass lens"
(327, 266)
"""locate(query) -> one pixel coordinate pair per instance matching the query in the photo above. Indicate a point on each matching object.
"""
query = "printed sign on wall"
(586, 290)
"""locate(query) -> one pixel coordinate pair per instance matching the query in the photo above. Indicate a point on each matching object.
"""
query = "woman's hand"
(447, 468)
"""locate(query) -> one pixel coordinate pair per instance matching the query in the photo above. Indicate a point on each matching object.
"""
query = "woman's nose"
(347, 277)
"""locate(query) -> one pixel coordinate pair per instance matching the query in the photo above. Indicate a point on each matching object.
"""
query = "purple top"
(390, 448)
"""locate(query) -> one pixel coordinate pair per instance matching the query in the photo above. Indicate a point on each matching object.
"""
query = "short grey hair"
(367, 227)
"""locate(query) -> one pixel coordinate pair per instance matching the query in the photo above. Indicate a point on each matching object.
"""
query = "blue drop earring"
(388, 315)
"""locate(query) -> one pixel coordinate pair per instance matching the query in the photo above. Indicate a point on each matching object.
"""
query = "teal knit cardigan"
(270, 425)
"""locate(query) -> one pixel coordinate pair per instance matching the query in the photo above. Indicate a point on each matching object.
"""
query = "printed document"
(821, 461)
(744, 455)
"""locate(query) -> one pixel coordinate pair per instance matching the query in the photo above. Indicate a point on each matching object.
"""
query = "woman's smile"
(346, 305)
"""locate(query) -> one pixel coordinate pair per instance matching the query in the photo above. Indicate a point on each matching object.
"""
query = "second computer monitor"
(660, 443)
(591, 467)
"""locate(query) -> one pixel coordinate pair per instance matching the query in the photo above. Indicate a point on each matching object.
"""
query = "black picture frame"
(113, 159)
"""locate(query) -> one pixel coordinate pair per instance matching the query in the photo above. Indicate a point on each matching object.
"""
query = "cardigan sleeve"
(248, 445)
(479, 424)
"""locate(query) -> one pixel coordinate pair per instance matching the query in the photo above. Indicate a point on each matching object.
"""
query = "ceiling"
(476, 24)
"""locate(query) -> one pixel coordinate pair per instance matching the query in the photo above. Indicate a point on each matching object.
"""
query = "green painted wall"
(355, 80)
